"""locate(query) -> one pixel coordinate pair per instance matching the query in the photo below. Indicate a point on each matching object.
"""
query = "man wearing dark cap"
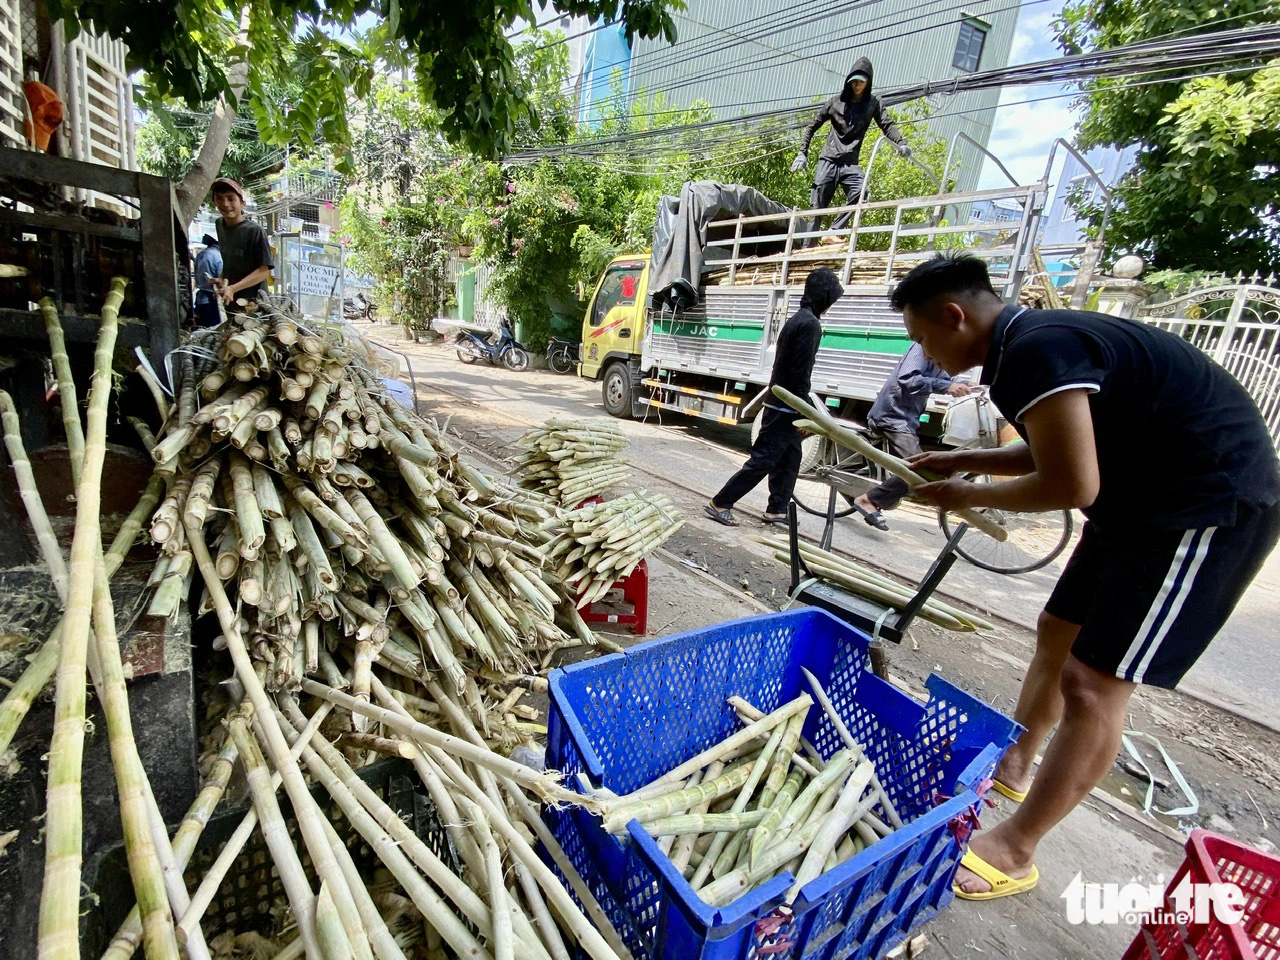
(776, 451)
(208, 269)
(850, 113)
(246, 255)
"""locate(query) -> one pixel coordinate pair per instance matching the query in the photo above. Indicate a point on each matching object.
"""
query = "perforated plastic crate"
(1216, 859)
(625, 719)
(251, 898)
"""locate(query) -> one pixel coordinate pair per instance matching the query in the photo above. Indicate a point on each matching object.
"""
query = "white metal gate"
(1237, 323)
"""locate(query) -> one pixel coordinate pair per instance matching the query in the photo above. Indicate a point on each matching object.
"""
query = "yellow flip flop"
(1017, 796)
(1002, 885)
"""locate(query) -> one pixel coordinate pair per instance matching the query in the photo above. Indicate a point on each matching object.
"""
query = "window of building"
(1079, 193)
(973, 35)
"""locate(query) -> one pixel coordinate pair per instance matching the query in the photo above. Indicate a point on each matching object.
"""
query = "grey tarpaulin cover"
(680, 235)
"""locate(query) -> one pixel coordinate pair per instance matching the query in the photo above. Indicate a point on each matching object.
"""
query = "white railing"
(12, 101)
(902, 233)
(1237, 323)
(99, 97)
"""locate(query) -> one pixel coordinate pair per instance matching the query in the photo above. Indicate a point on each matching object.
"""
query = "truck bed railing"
(914, 231)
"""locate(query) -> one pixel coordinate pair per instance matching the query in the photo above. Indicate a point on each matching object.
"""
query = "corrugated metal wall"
(744, 57)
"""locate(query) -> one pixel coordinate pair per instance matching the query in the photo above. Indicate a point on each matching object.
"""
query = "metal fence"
(1237, 323)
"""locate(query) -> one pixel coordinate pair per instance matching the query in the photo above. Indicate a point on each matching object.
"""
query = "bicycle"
(1035, 539)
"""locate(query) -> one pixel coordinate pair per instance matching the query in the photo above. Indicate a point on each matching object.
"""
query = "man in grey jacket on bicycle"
(896, 416)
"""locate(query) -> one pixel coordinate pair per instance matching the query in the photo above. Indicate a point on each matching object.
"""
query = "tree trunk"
(195, 185)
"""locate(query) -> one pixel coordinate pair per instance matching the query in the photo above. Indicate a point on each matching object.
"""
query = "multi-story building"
(747, 58)
(1062, 226)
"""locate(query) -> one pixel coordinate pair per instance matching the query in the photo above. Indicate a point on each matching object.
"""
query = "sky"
(1023, 132)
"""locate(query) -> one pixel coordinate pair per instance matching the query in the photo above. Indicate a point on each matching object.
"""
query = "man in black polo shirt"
(1172, 465)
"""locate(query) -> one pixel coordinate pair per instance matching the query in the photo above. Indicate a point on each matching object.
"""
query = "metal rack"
(880, 621)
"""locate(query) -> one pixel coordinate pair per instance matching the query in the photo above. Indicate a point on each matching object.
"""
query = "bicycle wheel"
(812, 492)
(1035, 539)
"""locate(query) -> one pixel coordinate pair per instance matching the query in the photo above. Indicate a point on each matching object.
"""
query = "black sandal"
(720, 516)
(777, 520)
(874, 517)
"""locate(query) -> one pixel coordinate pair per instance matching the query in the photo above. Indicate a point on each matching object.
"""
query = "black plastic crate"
(252, 887)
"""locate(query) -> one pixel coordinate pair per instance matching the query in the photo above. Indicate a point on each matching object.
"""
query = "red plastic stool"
(635, 591)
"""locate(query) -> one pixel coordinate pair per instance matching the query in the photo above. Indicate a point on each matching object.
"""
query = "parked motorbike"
(505, 350)
(563, 355)
(358, 307)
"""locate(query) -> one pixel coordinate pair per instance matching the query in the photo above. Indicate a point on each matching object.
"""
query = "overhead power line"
(1206, 51)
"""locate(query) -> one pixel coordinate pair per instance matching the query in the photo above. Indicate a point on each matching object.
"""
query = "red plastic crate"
(635, 591)
(1212, 858)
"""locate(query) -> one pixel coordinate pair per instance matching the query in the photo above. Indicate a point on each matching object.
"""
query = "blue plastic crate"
(625, 719)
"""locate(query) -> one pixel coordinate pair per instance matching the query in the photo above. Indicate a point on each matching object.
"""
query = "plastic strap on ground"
(1193, 803)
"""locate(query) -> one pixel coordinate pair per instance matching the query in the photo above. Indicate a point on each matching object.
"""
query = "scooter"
(563, 355)
(506, 350)
(358, 307)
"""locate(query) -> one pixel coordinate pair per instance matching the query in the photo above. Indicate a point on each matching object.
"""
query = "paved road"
(1241, 670)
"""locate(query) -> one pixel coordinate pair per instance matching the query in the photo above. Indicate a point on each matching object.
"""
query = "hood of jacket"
(821, 289)
(861, 65)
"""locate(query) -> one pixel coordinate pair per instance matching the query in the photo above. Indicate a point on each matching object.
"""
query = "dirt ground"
(709, 573)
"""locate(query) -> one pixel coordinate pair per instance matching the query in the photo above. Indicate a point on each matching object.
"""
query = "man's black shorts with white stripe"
(1148, 602)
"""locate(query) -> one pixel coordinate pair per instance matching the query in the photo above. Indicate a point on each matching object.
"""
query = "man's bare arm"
(1060, 430)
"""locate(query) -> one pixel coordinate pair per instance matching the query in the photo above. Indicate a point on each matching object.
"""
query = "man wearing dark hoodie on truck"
(850, 113)
(776, 450)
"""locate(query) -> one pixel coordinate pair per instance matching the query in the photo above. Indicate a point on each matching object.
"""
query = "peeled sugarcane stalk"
(841, 818)
(834, 430)
(60, 896)
(667, 804)
(67, 393)
(857, 579)
(41, 669)
(843, 731)
(396, 845)
(601, 941)
(799, 705)
(859, 572)
(27, 490)
(284, 855)
(758, 768)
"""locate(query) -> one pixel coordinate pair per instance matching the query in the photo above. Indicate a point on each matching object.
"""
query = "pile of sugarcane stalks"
(762, 802)
(866, 582)
(599, 544)
(364, 578)
(572, 460)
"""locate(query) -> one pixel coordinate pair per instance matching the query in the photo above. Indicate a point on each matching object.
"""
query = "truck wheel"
(616, 391)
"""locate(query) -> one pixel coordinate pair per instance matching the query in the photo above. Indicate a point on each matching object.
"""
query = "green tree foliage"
(459, 51)
(169, 140)
(1202, 192)
(403, 213)
(548, 224)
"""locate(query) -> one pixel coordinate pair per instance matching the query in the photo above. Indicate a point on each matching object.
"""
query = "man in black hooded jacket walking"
(850, 113)
(776, 451)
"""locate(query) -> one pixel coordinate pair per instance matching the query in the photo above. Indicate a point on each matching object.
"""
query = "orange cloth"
(46, 111)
